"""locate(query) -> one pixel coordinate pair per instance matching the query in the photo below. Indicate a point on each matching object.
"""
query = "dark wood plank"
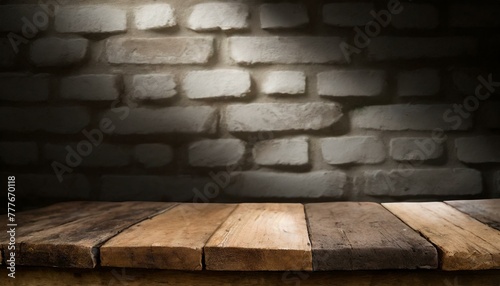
(486, 211)
(173, 240)
(69, 234)
(364, 236)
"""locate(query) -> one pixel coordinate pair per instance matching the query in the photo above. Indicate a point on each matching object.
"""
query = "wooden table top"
(451, 235)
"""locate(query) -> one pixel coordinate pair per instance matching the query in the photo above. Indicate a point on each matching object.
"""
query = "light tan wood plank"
(261, 237)
(173, 240)
(486, 211)
(464, 243)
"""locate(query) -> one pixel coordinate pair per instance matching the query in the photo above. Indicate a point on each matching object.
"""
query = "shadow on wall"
(250, 101)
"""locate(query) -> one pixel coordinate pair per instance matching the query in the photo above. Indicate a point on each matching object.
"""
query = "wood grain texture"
(486, 211)
(364, 236)
(69, 234)
(268, 237)
(464, 243)
(172, 240)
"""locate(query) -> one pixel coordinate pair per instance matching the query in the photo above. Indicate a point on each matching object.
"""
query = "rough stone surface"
(353, 150)
(18, 153)
(217, 84)
(281, 117)
(282, 152)
(216, 153)
(423, 182)
(474, 15)
(92, 87)
(415, 149)
(284, 82)
(14, 17)
(104, 155)
(283, 15)
(416, 16)
(223, 16)
(154, 16)
(347, 14)
(421, 82)
(152, 87)
(479, 149)
(351, 83)
(58, 52)
(90, 19)
(171, 50)
(319, 184)
(399, 117)
(20, 87)
(153, 155)
(286, 50)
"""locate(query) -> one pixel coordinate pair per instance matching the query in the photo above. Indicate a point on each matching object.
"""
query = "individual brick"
(86, 154)
(152, 87)
(415, 149)
(401, 48)
(90, 19)
(176, 120)
(216, 153)
(476, 15)
(154, 16)
(478, 149)
(27, 88)
(9, 56)
(286, 50)
(18, 153)
(221, 83)
(416, 16)
(47, 186)
(33, 18)
(283, 15)
(318, 184)
(61, 119)
(351, 83)
(399, 117)
(92, 87)
(347, 14)
(282, 152)
(353, 150)
(284, 82)
(423, 182)
(171, 50)
(58, 52)
(421, 82)
(258, 117)
(153, 155)
(223, 16)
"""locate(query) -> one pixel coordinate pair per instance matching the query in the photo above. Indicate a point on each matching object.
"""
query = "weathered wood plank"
(68, 235)
(364, 236)
(268, 237)
(173, 240)
(486, 211)
(464, 243)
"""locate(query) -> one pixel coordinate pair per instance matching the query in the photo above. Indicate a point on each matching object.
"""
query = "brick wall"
(250, 100)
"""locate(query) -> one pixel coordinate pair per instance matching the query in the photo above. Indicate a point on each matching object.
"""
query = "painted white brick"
(281, 117)
(283, 15)
(177, 120)
(58, 52)
(399, 117)
(104, 155)
(216, 153)
(223, 16)
(351, 83)
(421, 82)
(353, 150)
(93, 87)
(19, 87)
(286, 50)
(14, 17)
(154, 16)
(153, 155)
(347, 14)
(282, 152)
(284, 82)
(8, 58)
(319, 184)
(415, 149)
(423, 182)
(474, 15)
(479, 149)
(170, 50)
(416, 16)
(18, 153)
(217, 83)
(152, 87)
(90, 19)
